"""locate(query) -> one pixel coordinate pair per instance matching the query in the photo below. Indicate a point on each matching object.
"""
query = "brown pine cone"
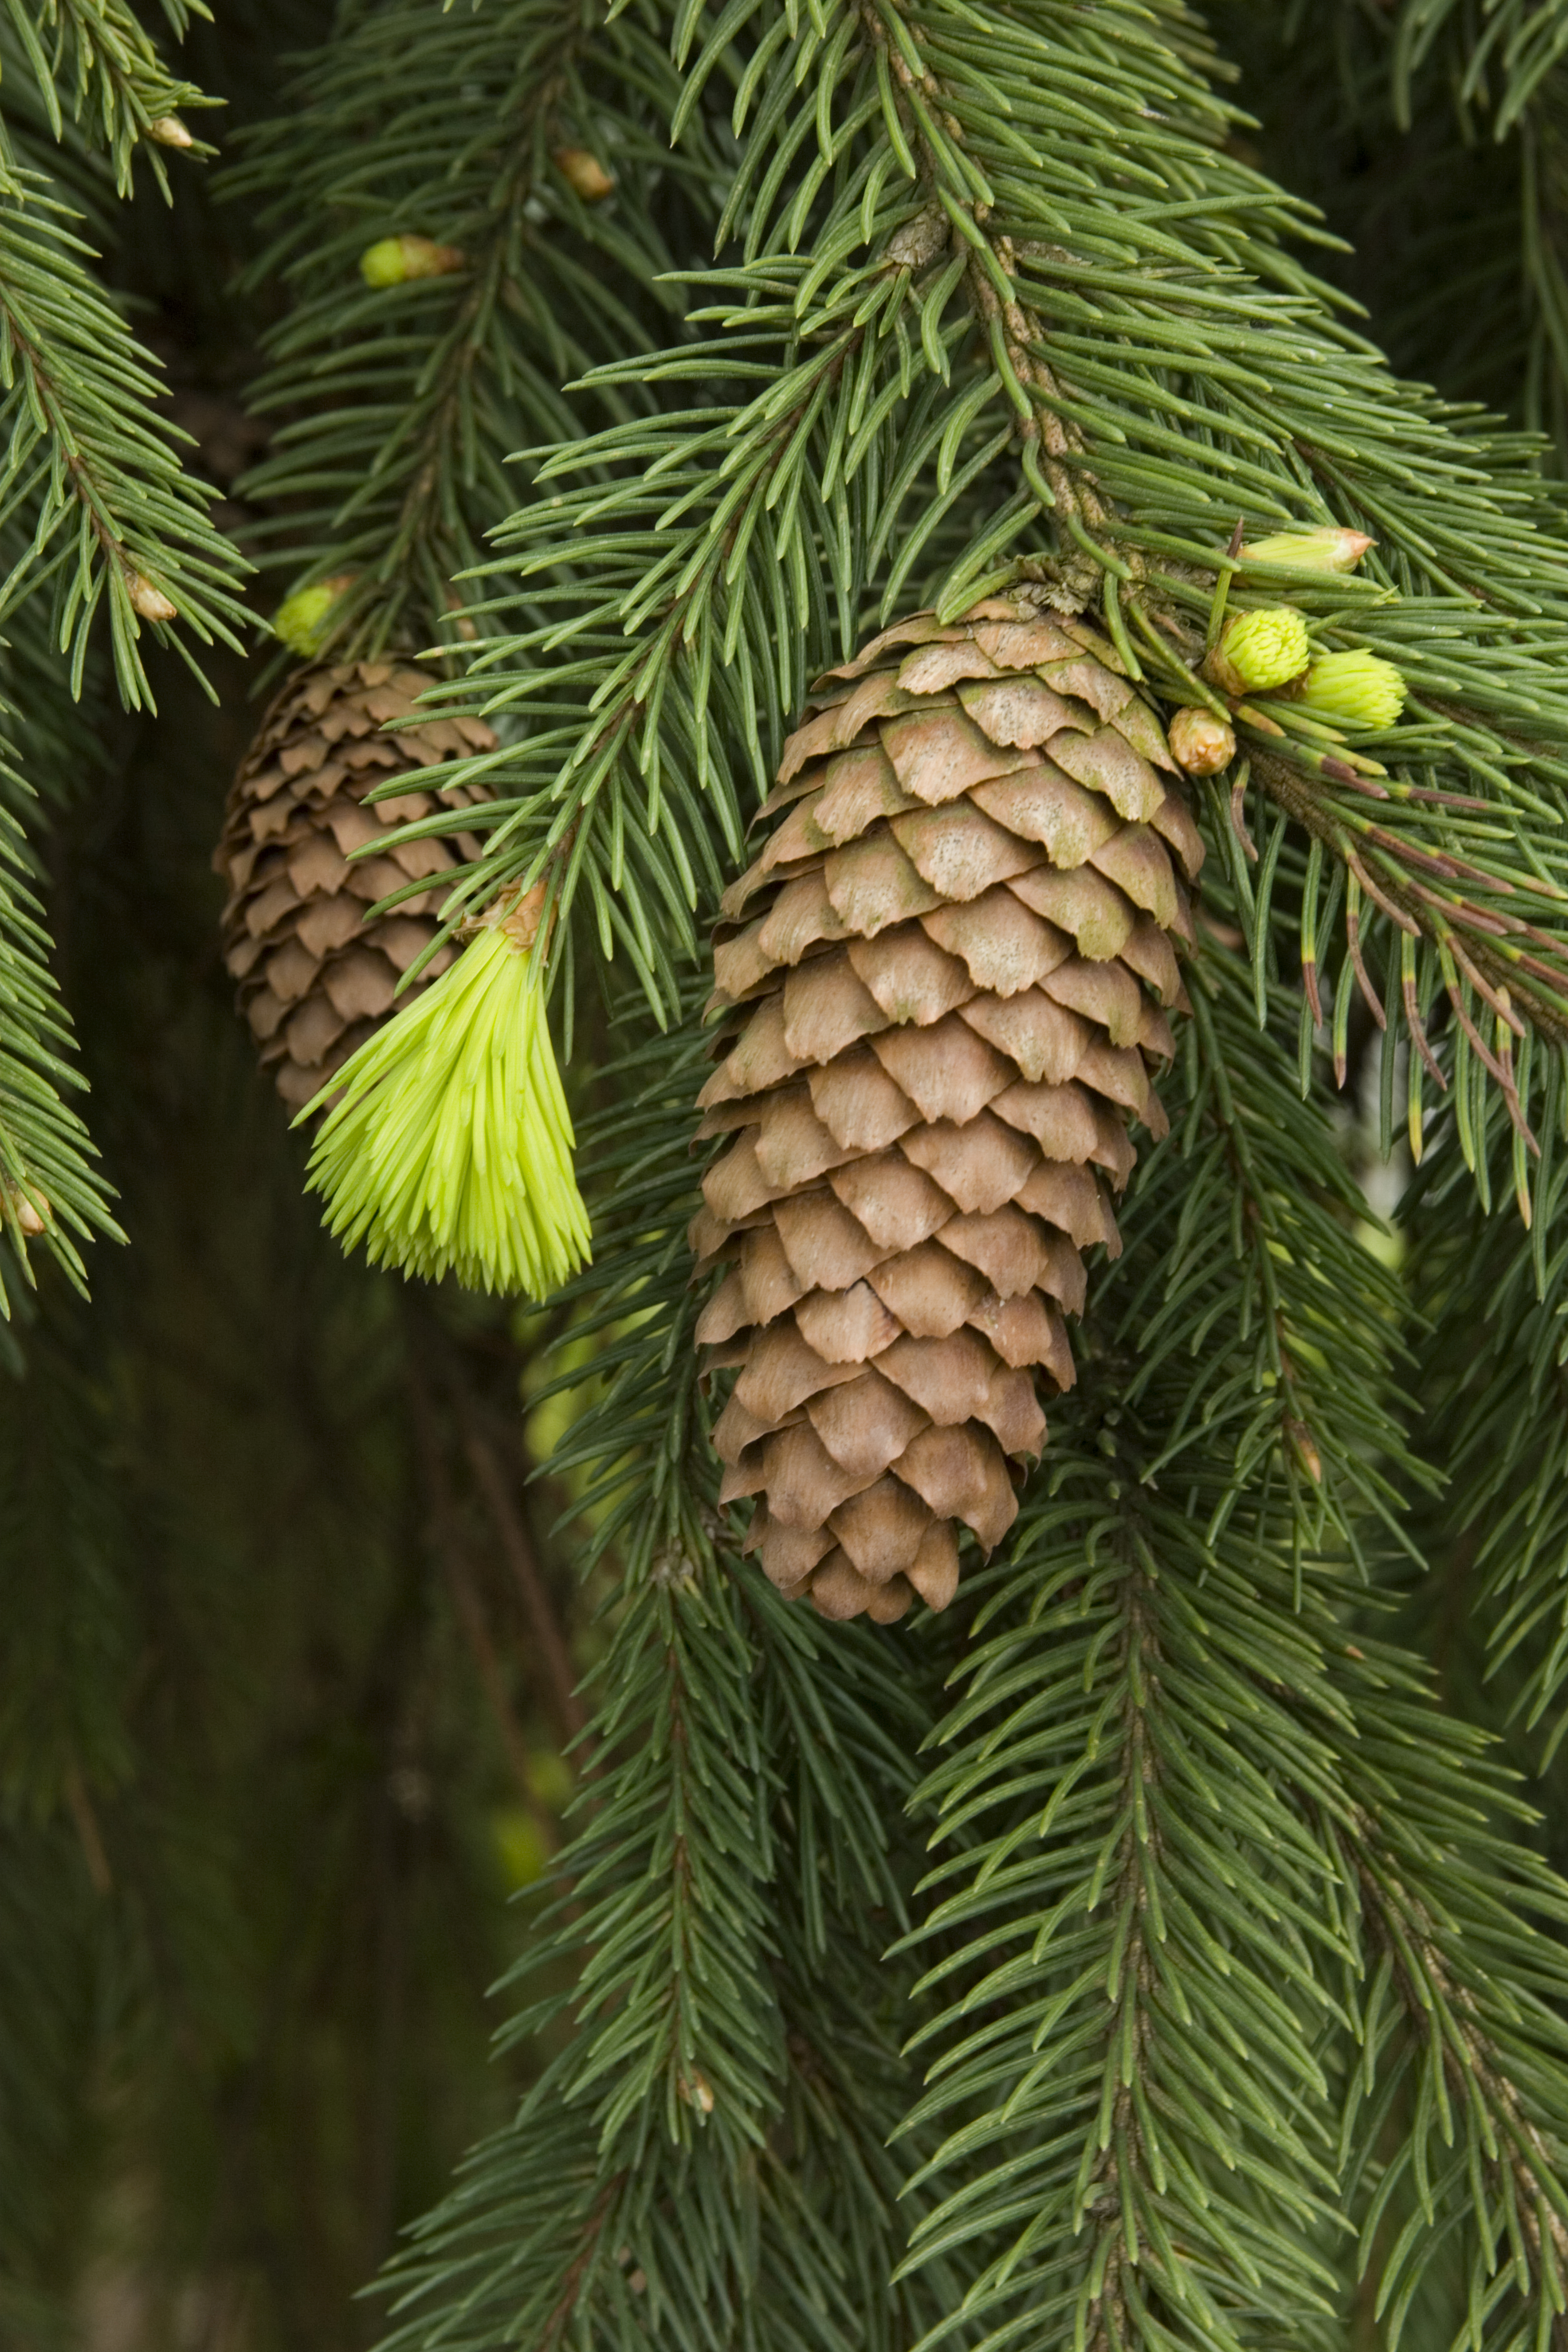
(947, 969)
(314, 978)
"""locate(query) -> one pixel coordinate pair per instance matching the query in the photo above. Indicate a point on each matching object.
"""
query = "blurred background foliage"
(288, 1637)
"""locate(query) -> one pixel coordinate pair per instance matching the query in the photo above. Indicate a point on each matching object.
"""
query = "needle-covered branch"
(91, 476)
(399, 404)
(96, 65)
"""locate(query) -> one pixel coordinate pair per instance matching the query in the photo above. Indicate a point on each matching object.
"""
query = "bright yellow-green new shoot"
(1359, 689)
(1260, 650)
(450, 1151)
(303, 619)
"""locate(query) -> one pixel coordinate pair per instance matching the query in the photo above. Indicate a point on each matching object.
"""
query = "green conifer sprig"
(398, 408)
(51, 1195)
(96, 65)
(1499, 60)
(48, 754)
(50, 146)
(1127, 2072)
(1237, 1966)
(1430, 208)
(1493, 1416)
(113, 520)
(1456, 2122)
(1307, 1391)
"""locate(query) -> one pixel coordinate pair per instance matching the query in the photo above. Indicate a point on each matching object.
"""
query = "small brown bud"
(1200, 742)
(919, 241)
(170, 131)
(32, 1218)
(583, 174)
(149, 602)
(1301, 1438)
(521, 919)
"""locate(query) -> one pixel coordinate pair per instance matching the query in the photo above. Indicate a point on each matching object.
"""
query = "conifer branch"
(1457, 2113)
(1531, 2194)
(1309, 1389)
(1388, 1812)
(1233, 1950)
(113, 518)
(1444, 73)
(400, 406)
(1519, 42)
(1137, 2006)
(51, 1195)
(93, 61)
(1495, 1414)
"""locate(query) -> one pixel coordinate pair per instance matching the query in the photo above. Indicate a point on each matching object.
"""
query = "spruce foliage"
(1164, 1950)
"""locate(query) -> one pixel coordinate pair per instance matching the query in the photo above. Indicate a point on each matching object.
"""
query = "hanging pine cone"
(947, 969)
(314, 979)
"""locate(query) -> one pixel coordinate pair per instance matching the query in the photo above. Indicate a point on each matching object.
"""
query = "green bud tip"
(1259, 650)
(1328, 549)
(1359, 689)
(448, 1147)
(395, 260)
(302, 620)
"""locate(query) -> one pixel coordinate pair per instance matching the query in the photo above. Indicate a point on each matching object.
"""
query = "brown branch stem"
(1106, 2327)
(1060, 443)
(519, 1553)
(447, 1534)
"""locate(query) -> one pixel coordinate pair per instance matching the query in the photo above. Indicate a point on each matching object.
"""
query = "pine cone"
(315, 979)
(947, 969)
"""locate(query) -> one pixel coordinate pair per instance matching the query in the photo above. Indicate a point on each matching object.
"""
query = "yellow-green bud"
(449, 1146)
(1357, 689)
(302, 619)
(393, 260)
(1328, 549)
(1200, 742)
(1259, 650)
(170, 131)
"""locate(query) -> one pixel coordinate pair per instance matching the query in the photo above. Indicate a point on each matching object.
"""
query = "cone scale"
(943, 986)
(314, 977)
